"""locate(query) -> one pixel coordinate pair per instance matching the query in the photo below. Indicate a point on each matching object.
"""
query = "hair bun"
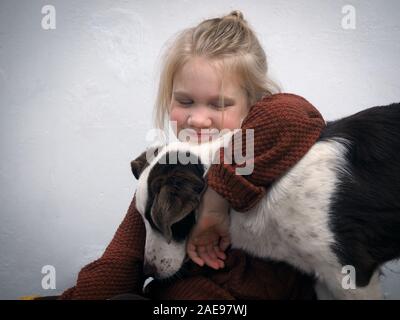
(236, 14)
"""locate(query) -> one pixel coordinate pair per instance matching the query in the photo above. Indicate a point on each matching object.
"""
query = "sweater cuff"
(236, 189)
(105, 278)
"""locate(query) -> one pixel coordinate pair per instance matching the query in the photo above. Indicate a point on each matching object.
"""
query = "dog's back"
(365, 212)
(338, 206)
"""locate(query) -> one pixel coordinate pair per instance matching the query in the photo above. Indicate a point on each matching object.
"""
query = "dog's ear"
(138, 165)
(141, 162)
(171, 206)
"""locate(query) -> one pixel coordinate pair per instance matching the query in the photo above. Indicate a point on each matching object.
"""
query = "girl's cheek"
(178, 115)
(231, 120)
(231, 124)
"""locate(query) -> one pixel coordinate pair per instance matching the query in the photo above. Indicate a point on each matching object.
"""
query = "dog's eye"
(155, 186)
(181, 229)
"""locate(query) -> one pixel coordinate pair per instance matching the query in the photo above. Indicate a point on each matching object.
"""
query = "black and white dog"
(338, 206)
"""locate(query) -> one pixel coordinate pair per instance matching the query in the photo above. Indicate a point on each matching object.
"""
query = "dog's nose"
(149, 269)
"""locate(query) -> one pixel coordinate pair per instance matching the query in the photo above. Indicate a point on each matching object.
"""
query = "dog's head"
(170, 185)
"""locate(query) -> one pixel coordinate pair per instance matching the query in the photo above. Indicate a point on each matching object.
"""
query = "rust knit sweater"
(285, 127)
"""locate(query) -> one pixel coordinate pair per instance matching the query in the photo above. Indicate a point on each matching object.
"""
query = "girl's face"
(195, 100)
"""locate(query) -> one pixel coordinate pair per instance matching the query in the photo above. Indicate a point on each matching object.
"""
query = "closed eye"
(216, 106)
(155, 186)
(186, 103)
(212, 105)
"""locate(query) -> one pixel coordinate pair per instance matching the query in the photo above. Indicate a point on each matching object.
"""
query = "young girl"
(215, 77)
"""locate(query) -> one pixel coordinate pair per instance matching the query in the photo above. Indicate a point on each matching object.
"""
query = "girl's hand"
(210, 236)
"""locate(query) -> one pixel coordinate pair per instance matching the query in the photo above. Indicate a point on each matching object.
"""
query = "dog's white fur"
(289, 224)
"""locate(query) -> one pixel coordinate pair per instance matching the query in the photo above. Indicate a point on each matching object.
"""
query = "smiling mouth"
(200, 134)
(203, 135)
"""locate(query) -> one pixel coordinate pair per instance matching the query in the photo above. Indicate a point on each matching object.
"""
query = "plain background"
(76, 103)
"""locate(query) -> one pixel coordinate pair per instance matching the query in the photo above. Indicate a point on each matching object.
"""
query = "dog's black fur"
(365, 211)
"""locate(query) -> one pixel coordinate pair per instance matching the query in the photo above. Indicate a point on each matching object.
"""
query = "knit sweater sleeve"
(285, 127)
(119, 269)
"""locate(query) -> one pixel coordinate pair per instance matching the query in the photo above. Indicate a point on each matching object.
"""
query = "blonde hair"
(229, 41)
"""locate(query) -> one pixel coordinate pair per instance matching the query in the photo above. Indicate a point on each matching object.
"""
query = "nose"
(199, 118)
(149, 269)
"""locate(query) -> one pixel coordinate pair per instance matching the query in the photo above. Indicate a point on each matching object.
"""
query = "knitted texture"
(119, 271)
(285, 127)
(244, 278)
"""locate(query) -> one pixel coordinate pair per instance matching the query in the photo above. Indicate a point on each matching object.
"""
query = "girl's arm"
(210, 236)
(119, 270)
(285, 128)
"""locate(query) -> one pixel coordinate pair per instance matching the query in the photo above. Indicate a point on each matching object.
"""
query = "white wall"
(76, 103)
